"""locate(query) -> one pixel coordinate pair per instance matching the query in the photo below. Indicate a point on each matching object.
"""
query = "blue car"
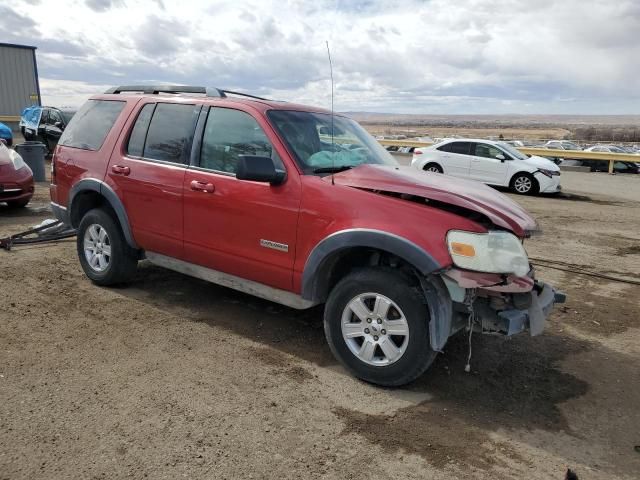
(6, 134)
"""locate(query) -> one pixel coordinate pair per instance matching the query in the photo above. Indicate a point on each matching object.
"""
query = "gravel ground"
(171, 377)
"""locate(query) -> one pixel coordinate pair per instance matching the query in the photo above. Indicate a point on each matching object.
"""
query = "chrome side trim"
(231, 281)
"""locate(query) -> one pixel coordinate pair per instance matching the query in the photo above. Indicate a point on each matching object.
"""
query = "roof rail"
(243, 95)
(156, 89)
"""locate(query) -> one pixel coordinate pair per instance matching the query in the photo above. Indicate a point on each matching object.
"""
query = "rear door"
(148, 172)
(486, 167)
(243, 228)
(455, 158)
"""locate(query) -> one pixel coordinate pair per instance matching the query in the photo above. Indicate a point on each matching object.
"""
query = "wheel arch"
(90, 193)
(527, 173)
(326, 256)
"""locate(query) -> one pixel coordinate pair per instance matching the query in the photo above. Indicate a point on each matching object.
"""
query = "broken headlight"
(492, 252)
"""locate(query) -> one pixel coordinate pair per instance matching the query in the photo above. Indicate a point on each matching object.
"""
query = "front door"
(148, 173)
(244, 228)
(487, 166)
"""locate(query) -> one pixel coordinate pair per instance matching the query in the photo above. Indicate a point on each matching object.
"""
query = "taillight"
(53, 169)
(417, 152)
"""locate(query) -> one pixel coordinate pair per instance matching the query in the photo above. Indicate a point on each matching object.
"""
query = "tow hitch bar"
(49, 232)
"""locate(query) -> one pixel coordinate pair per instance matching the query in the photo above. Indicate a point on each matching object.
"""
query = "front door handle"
(202, 186)
(120, 170)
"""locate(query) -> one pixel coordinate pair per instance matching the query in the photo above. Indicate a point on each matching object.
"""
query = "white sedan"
(494, 163)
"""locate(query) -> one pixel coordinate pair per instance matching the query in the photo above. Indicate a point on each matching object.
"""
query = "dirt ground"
(171, 377)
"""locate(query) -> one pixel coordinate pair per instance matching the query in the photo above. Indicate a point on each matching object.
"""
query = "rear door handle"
(202, 186)
(120, 170)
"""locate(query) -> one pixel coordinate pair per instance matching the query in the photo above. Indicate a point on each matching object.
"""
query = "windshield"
(308, 136)
(513, 151)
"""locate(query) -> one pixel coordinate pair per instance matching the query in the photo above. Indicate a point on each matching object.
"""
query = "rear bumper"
(60, 213)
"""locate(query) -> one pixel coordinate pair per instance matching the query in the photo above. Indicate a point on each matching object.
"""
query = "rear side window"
(171, 128)
(90, 126)
(462, 148)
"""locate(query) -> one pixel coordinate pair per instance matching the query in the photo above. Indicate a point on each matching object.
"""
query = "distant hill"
(495, 120)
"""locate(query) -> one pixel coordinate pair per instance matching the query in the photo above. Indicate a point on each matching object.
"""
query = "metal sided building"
(19, 86)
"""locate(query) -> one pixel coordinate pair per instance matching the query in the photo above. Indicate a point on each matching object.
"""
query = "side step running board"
(231, 281)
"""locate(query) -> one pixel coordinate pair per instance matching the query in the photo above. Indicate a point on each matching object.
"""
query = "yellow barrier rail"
(544, 152)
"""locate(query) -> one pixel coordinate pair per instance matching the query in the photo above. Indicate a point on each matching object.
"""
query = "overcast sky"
(411, 56)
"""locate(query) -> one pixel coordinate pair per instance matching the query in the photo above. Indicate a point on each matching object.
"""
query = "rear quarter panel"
(75, 164)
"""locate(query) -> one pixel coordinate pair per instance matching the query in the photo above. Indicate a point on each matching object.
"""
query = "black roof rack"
(156, 89)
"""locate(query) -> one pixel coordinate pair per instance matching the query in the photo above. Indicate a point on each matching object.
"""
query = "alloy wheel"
(523, 184)
(97, 247)
(375, 329)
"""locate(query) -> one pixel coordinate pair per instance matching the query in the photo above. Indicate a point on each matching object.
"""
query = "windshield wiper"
(333, 169)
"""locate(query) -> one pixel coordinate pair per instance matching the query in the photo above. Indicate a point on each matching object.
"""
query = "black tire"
(433, 167)
(521, 180)
(417, 356)
(18, 203)
(122, 261)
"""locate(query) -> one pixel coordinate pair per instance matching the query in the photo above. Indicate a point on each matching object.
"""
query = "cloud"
(478, 56)
(104, 5)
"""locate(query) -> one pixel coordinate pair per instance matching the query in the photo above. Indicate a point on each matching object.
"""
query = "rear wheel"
(524, 184)
(103, 252)
(377, 325)
(433, 167)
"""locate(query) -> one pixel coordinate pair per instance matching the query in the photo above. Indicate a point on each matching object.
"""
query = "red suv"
(301, 207)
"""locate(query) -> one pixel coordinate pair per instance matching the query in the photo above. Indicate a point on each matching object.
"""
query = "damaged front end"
(501, 304)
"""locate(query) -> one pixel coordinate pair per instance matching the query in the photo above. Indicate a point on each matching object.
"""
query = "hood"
(541, 162)
(467, 194)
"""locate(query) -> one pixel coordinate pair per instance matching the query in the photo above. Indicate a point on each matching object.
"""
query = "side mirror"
(259, 169)
(500, 157)
(58, 124)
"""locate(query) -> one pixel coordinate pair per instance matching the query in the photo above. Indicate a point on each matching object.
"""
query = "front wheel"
(377, 325)
(524, 184)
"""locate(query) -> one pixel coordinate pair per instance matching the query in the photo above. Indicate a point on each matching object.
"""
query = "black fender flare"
(314, 269)
(95, 185)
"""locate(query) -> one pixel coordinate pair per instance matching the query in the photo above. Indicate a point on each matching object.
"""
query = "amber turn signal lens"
(463, 249)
